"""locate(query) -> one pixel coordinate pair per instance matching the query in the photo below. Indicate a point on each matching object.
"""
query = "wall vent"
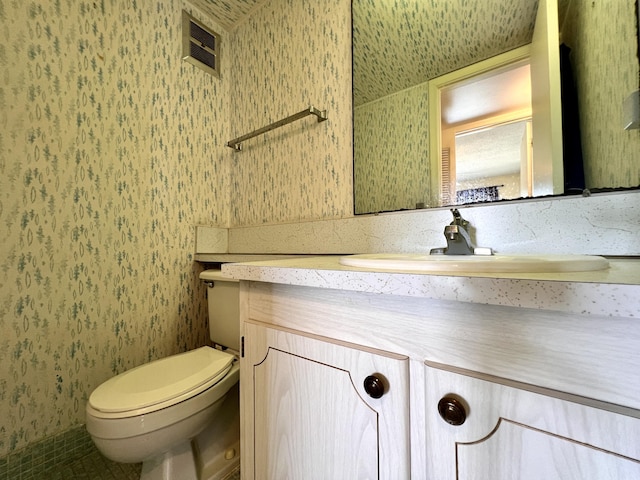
(200, 45)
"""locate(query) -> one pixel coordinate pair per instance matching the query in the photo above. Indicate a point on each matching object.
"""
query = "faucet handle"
(457, 218)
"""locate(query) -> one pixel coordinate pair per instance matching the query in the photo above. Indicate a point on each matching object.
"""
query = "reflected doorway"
(485, 133)
(462, 101)
(493, 163)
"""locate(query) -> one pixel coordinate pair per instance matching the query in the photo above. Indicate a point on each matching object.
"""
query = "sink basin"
(477, 263)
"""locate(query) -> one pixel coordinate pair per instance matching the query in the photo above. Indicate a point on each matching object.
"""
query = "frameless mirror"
(401, 49)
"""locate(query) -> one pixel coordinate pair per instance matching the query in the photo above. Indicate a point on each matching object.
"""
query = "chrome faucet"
(458, 239)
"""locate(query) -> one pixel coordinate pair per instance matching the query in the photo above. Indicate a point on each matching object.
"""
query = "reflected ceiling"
(488, 96)
(494, 152)
(406, 42)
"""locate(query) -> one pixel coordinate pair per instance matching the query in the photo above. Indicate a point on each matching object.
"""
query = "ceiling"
(227, 13)
(401, 43)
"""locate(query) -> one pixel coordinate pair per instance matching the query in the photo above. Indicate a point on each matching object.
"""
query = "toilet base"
(217, 448)
(177, 463)
(211, 455)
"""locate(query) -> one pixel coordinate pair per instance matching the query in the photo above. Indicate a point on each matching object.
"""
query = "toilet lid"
(165, 381)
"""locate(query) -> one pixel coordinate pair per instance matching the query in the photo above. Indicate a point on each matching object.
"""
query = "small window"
(200, 45)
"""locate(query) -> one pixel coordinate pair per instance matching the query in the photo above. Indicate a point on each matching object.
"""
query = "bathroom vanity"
(351, 373)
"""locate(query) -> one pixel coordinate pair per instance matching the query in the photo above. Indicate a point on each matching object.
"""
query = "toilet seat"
(160, 384)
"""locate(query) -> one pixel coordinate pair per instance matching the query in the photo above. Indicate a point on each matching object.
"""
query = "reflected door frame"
(525, 187)
(507, 60)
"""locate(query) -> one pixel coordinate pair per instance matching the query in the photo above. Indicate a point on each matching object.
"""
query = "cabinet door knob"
(374, 385)
(452, 411)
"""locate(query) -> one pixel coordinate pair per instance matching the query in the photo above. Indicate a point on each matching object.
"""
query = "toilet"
(179, 415)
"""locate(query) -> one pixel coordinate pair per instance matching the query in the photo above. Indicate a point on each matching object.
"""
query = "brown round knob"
(374, 386)
(452, 411)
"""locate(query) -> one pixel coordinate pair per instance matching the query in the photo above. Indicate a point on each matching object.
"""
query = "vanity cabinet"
(545, 394)
(319, 409)
(480, 429)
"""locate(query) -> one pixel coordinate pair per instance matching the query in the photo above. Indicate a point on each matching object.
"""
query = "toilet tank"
(224, 316)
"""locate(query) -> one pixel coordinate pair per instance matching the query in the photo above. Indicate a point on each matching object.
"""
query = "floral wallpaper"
(391, 138)
(605, 59)
(302, 171)
(111, 151)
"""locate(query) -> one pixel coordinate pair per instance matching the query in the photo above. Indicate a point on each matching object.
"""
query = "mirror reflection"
(401, 50)
(485, 132)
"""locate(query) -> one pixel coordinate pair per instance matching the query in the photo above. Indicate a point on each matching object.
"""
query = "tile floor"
(95, 467)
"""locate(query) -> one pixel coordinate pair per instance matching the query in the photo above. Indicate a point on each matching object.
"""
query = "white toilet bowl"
(151, 413)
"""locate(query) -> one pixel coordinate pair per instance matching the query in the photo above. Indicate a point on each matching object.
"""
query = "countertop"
(611, 292)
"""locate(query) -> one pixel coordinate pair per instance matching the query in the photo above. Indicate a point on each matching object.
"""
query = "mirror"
(399, 47)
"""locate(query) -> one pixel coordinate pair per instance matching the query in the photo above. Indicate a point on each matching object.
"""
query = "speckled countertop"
(611, 292)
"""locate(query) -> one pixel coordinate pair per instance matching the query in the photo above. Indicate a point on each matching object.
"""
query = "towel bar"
(236, 143)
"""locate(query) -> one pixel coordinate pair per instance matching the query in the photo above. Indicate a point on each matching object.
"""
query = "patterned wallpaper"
(302, 171)
(112, 149)
(605, 60)
(391, 138)
(110, 152)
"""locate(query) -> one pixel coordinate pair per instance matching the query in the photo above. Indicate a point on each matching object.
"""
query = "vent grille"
(200, 45)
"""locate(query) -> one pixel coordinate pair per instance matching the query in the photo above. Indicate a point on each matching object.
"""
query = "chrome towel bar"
(236, 143)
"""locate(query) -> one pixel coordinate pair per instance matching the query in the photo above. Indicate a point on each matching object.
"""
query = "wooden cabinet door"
(307, 415)
(513, 433)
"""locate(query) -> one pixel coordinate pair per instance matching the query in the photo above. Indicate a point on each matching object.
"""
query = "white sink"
(477, 263)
